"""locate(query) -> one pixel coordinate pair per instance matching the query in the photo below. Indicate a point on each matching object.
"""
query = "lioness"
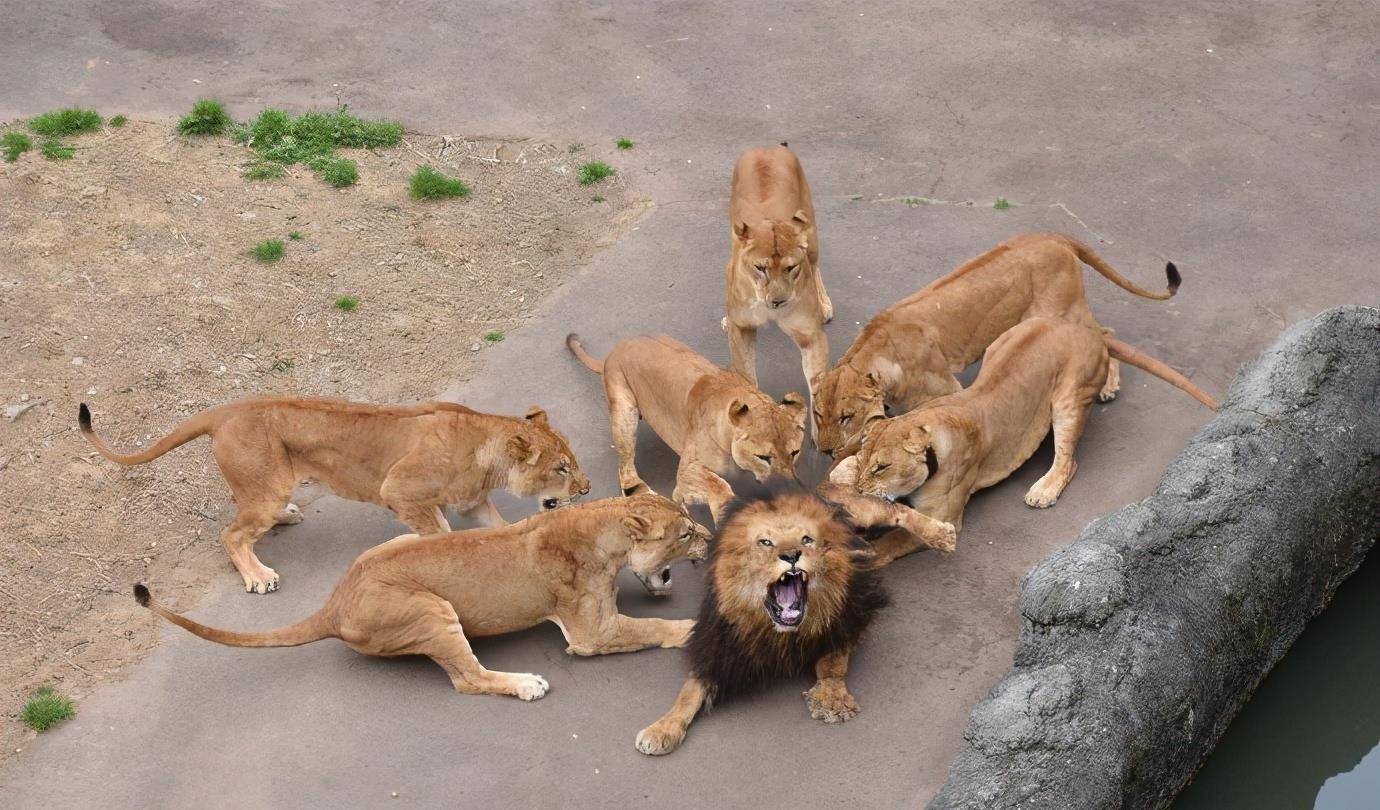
(428, 595)
(788, 589)
(414, 459)
(911, 351)
(1042, 372)
(714, 419)
(773, 266)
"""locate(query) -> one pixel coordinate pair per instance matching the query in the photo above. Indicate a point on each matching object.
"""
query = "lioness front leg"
(696, 483)
(1069, 419)
(623, 418)
(666, 734)
(869, 512)
(627, 634)
(742, 350)
(829, 699)
(826, 306)
(814, 349)
(486, 513)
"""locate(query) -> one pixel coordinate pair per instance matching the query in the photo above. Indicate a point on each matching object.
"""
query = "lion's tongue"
(788, 596)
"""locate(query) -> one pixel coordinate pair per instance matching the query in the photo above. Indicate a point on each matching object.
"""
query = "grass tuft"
(597, 198)
(46, 709)
(494, 336)
(208, 117)
(269, 251)
(295, 236)
(312, 139)
(914, 202)
(71, 121)
(338, 171)
(346, 303)
(283, 364)
(15, 144)
(594, 171)
(1001, 204)
(429, 184)
(118, 121)
(264, 170)
(54, 149)
(625, 144)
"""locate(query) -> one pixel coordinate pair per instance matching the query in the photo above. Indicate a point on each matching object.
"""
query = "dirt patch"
(126, 281)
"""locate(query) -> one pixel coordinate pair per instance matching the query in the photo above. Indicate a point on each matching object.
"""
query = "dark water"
(1310, 737)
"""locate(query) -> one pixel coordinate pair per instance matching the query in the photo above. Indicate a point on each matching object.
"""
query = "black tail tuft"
(1172, 273)
(84, 417)
(141, 594)
(783, 143)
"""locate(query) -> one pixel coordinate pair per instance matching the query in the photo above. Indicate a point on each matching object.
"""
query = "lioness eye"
(845, 419)
(807, 540)
(765, 542)
(795, 453)
(880, 467)
(762, 268)
(765, 459)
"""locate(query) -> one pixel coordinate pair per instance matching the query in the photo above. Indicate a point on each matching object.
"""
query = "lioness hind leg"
(259, 475)
(1069, 419)
(666, 734)
(623, 419)
(439, 636)
(1113, 383)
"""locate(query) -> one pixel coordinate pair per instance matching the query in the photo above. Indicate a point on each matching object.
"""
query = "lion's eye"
(761, 268)
(765, 542)
(880, 467)
(792, 269)
(807, 540)
(795, 453)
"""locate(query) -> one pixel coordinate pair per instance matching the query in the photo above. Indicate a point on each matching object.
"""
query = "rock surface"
(1145, 636)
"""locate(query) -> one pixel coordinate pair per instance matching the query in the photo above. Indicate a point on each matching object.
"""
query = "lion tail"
(572, 342)
(1127, 353)
(1086, 256)
(313, 628)
(198, 425)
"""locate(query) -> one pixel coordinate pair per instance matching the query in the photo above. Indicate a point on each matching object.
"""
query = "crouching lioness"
(414, 459)
(428, 595)
(714, 419)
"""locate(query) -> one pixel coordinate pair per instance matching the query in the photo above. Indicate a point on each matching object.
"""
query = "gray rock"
(1145, 636)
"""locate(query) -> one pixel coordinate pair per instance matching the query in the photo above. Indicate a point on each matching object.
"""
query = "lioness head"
(773, 254)
(896, 458)
(846, 402)
(661, 533)
(784, 564)
(542, 464)
(767, 436)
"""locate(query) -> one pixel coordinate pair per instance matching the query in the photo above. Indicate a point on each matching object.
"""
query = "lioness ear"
(536, 415)
(637, 526)
(800, 218)
(793, 401)
(741, 231)
(522, 450)
(916, 441)
(737, 412)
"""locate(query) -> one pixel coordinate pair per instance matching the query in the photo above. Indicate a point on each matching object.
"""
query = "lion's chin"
(786, 600)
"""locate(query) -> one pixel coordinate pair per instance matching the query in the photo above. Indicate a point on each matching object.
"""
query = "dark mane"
(732, 662)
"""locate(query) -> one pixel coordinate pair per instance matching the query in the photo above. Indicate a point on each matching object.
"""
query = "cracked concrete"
(1115, 109)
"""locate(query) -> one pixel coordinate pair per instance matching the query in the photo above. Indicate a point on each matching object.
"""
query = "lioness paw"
(656, 741)
(680, 633)
(1041, 497)
(832, 704)
(530, 687)
(945, 539)
(263, 581)
(290, 516)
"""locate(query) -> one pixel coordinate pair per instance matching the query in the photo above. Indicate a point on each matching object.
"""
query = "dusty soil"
(126, 282)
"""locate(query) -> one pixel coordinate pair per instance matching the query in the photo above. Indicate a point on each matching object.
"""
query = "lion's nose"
(791, 557)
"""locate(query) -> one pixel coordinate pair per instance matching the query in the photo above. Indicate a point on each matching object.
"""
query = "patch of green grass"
(429, 184)
(597, 198)
(1001, 204)
(118, 121)
(625, 144)
(594, 171)
(15, 144)
(284, 364)
(54, 149)
(575, 147)
(71, 121)
(264, 170)
(208, 117)
(295, 236)
(855, 197)
(46, 709)
(269, 251)
(494, 336)
(336, 170)
(915, 201)
(346, 303)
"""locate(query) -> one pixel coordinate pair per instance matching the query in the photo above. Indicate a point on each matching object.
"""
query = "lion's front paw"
(831, 703)
(658, 739)
(530, 687)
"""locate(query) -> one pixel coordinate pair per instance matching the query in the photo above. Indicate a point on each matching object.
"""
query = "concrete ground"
(1236, 138)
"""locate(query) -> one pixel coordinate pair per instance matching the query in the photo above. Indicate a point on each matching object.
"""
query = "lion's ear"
(793, 401)
(637, 526)
(916, 440)
(737, 412)
(536, 415)
(741, 231)
(522, 450)
(800, 217)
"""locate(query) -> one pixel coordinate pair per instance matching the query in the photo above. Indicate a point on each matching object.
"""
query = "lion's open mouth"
(658, 584)
(786, 600)
(550, 503)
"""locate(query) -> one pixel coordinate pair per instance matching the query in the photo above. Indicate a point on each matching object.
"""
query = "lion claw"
(831, 705)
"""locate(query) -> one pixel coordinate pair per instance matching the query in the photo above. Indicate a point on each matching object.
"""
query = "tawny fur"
(715, 420)
(773, 267)
(414, 459)
(737, 647)
(909, 353)
(429, 595)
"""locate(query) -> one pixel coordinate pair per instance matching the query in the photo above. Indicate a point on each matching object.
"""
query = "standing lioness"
(713, 419)
(773, 267)
(414, 459)
(911, 351)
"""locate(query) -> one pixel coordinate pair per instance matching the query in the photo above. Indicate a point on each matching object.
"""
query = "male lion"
(429, 595)
(714, 419)
(910, 352)
(414, 459)
(788, 589)
(773, 267)
(1042, 372)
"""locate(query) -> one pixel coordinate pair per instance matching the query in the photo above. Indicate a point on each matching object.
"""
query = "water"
(1310, 737)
